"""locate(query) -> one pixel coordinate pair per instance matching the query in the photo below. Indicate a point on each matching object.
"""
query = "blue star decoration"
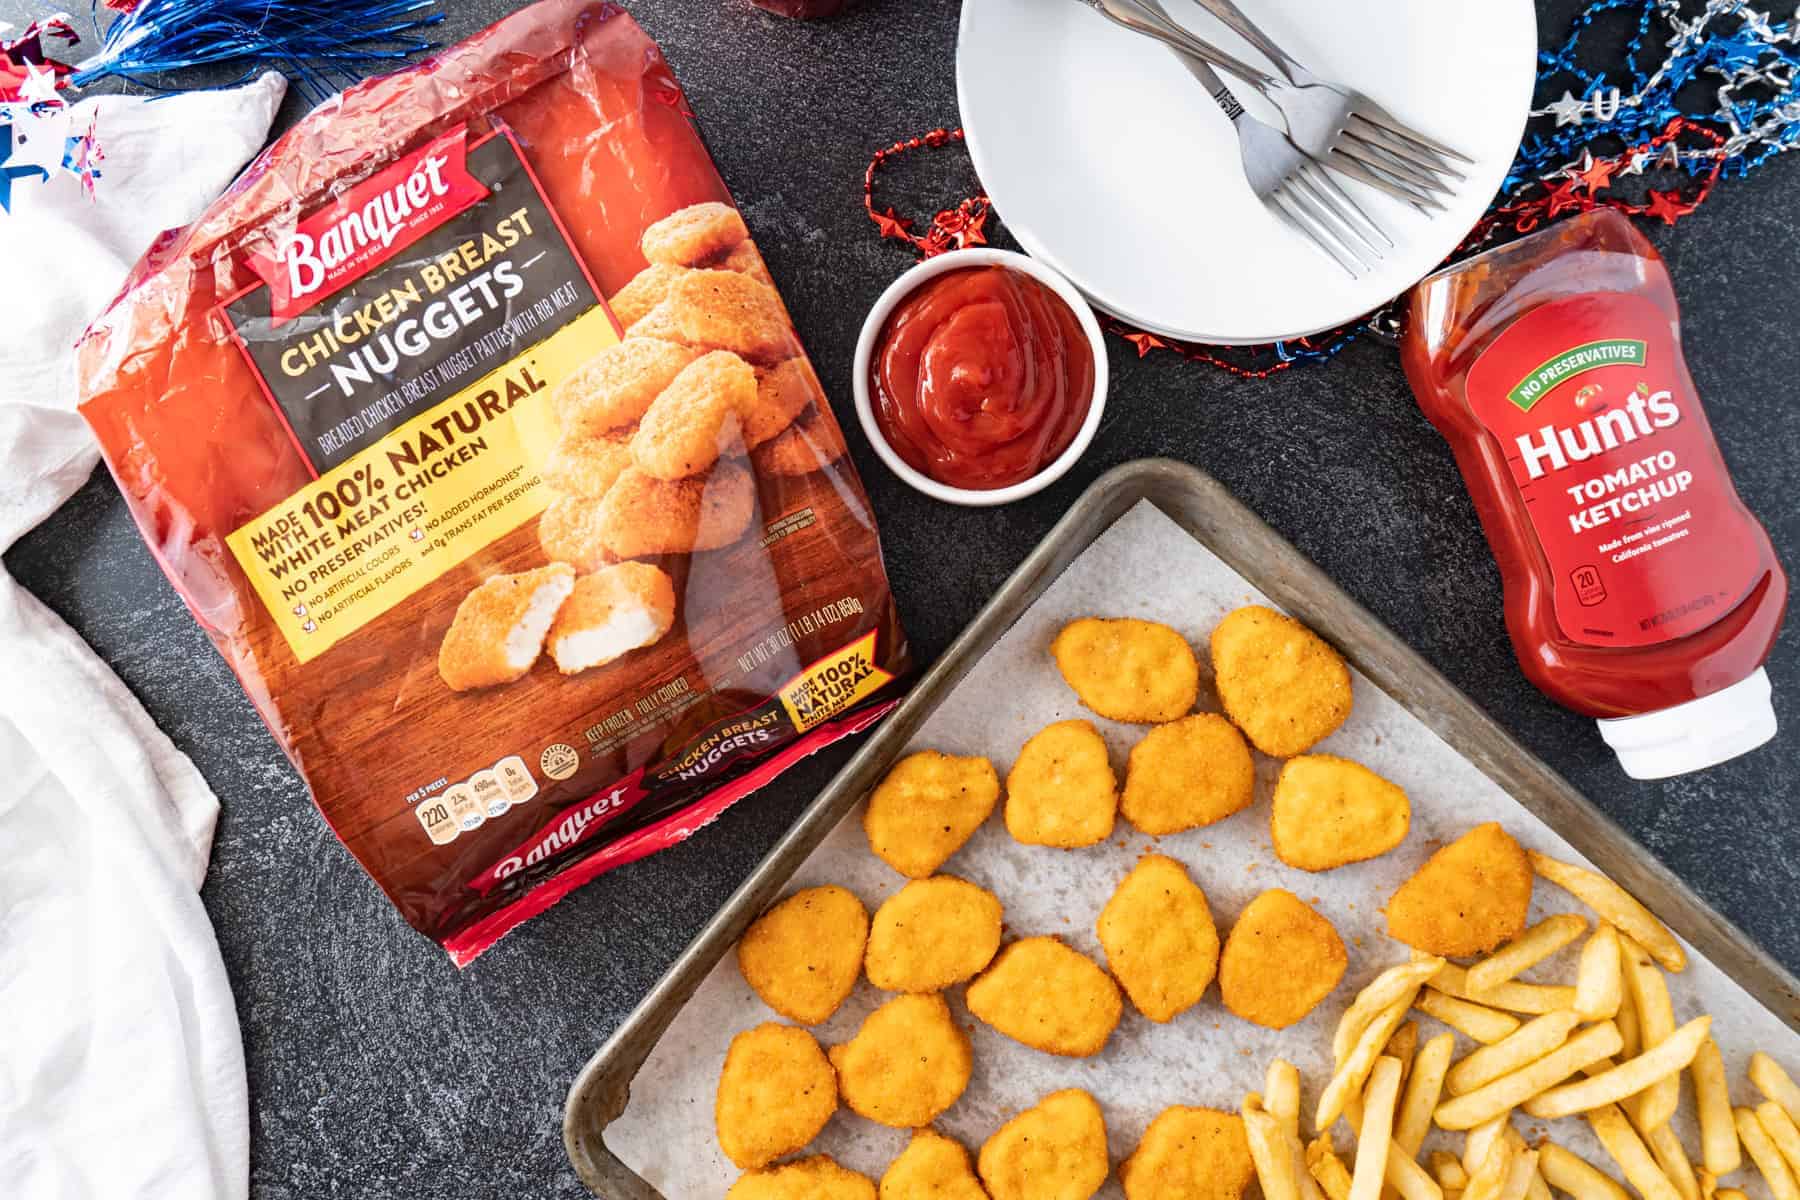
(8, 174)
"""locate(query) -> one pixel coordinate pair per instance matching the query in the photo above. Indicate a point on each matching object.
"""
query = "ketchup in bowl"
(981, 378)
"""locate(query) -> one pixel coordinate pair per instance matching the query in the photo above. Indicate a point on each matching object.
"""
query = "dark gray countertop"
(376, 1069)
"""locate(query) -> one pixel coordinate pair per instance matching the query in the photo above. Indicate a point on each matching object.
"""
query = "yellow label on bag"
(833, 684)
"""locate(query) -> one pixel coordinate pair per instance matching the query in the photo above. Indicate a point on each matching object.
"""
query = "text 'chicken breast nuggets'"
(812, 443)
(1159, 938)
(569, 531)
(1330, 811)
(1187, 774)
(933, 933)
(928, 805)
(614, 388)
(612, 612)
(693, 235)
(1190, 1154)
(1470, 897)
(647, 289)
(932, 1167)
(782, 394)
(722, 310)
(1044, 995)
(642, 516)
(1139, 672)
(815, 1178)
(1055, 1150)
(695, 421)
(586, 465)
(1279, 681)
(1061, 791)
(1280, 961)
(803, 956)
(906, 1065)
(499, 628)
(776, 1092)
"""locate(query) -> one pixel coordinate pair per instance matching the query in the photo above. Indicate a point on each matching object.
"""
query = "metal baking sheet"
(1207, 513)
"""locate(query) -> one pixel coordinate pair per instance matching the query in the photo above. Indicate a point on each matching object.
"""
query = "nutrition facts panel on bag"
(461, 807)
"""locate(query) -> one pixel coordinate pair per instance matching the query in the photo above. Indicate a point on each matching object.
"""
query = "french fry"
(1627, 1079)
(1485, 1025)
(1774, 1084)
(1729, 1194)
(1402, 1046)
(1510, 1091)
(1377, 1131)
(1481, 1139)
(1599, 982)
(1327, 1169)
(1568, 1172)
(1532, 999)
(1269, 1151)
(1531, 1042)
(1281, 1095)
(1782, 1131)
(1353, 1073)
(1383, 992)
(1672, 1157)
(1488, 1180)
(1519, 1173)
(1423, 1091)
(1525, 951)
(1628, 1150)
(1405, 1176)
(1627, 1020)
(1613, 903)
(1765, 1155)
(1719, 1149)
(1448, 1171)
(1539, 1189)
(1656, 1023)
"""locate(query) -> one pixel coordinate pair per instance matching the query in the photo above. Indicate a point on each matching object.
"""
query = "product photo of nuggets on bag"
(472, 428)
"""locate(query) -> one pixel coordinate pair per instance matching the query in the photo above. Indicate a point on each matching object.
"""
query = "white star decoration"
(1568, 110)
(39, 84)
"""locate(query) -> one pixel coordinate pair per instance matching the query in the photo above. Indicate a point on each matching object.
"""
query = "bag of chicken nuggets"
(471, 427)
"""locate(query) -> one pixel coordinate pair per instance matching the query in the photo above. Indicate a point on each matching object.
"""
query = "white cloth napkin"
(121, 1066)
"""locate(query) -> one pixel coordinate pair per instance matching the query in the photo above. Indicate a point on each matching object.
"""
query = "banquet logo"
(368, 225)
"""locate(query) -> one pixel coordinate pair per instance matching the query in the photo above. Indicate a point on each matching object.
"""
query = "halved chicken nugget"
(803, 955)
(499, 628)
(932, 1167)
(695, 421)
(1055, 1150)
(642, 516)
(691, 235)
(907, 1064)
(612, 612)
(1190, 1154)
(812, 443)
(647, 289)
(1187, 774)
(614, 388)
(775, 1093)
(722, 310)
(1128, 670)
(928, 805)
(1330, 811)
(587, 465)
(1047, 996)
(933, 933)
(569, 531)
(1279, 681)
(1470, 897)
(1280, 960)
(1061, 790)
(782, 394)
(1159, 938)
(815, 1178)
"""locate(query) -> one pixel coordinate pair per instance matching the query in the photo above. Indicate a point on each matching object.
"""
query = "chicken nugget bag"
(471, 427)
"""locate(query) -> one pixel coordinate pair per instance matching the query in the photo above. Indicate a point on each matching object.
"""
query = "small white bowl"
(877, 320)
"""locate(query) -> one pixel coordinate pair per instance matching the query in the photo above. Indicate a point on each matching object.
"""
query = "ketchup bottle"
(1639, 589)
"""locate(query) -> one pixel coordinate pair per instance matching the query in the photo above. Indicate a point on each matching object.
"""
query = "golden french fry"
(1614, 904)
(1782, 1131)
(1729, 1194)
(1519, 1173)
(1485, 1025)
(1525, 951)
(1599, 982)
(1423, 1091)
(1628, 1150)
(1573, 1174)
(1532, 999)
(1531, 1042)
(1539, 1189)
(1447, 1169)
(1510, 1091)
(1403, 1045)
(1376, 1133)
(1353, 1073)
(1774, 1084)
(1281, 1095)
(1627, 1020)
(1327, 1169)
(1405, 1176)
(1765, 1154)
(1481, 1139)
(1656, 1022)
(1627, 1079)
(1719, 1150)
(1489, 1178)
(1672, 1157)
(1269, 1151)
(1383, 992)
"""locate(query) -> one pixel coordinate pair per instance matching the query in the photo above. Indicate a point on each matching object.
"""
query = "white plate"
(1108, 161)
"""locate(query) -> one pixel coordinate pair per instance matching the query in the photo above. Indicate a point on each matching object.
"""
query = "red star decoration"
(1563, 197)
(1145, 342)
(1668, 207)
(891, 224)
(1599, 176)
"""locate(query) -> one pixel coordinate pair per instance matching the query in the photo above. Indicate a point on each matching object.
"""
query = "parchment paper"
(1144, 566)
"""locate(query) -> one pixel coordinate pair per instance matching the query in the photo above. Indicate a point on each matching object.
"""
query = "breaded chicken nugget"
(691, 235)
(1280, 960)
(569, 531)
(642, 517)
(1043, 994)
(1127, 670)
(926, 807)
(614, 388)
(1470, 897)
(586, 465)
(907, 1064)
(933, 933)
(498, 631)
(1187, 774)
(745, 259)
(815, 1178)
(1279, 681)
(612, 612)
(1055, 1150)
(1061, 790)
(722, 310)
(1159, 938)
(1190, 1154)
(782, 394)
(803, 956)
(932, 1167)
(647, 289)
(1331, 811)
(812, 443)
(695, 421)
(776, 1092)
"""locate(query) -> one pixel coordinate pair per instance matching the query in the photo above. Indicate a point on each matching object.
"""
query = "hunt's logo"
(368, 225)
